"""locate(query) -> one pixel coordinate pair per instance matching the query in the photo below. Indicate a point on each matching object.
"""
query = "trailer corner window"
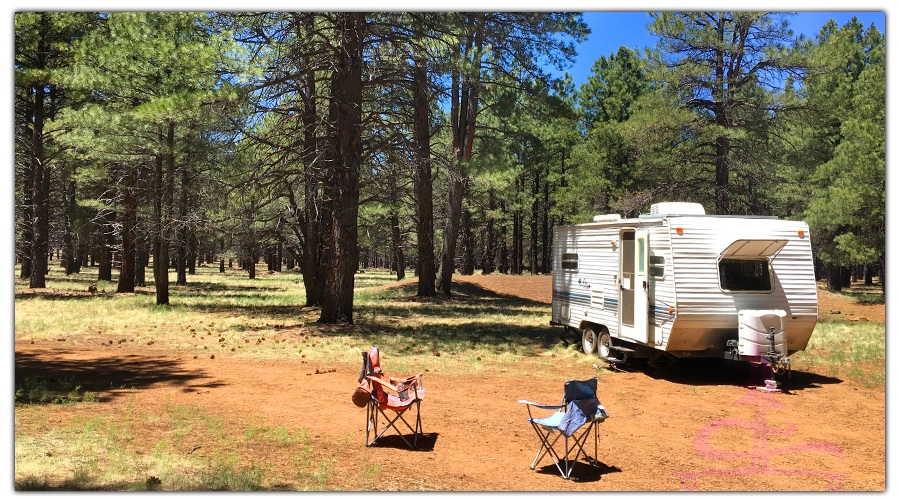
(745, 275)
(570, 261)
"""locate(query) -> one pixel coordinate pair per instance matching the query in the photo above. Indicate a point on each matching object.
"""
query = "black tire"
(588, 341)
(604, 344)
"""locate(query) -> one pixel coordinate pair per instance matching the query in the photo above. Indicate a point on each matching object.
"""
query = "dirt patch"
(703, 426)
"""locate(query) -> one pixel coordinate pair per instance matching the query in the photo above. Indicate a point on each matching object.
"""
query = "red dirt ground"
(696, 428)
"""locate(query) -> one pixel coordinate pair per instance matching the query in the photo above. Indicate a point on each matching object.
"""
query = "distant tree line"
(433, 141)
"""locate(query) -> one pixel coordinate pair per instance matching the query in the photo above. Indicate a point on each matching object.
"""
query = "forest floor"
(703, 426)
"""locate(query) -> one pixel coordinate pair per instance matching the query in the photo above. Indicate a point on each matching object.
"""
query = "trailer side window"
(657, 266)
(570, 261)
(745, 275)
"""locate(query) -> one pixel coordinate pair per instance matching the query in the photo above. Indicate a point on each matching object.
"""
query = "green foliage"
(726, 68)
(846, 210)
(724, 112)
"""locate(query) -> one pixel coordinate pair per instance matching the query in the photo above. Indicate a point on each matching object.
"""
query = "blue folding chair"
(580, 411)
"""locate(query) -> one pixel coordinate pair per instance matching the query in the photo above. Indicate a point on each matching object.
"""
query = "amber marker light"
(679, 230)
(801, 233)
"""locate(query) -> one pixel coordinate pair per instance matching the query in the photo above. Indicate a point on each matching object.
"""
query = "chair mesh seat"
(552, 421)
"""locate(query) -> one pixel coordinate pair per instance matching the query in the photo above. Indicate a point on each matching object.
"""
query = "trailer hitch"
(780, 364)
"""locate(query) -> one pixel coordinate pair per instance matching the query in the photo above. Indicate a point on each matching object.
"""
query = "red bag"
(362, 394)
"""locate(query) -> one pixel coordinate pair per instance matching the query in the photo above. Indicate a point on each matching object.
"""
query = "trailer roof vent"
(677, 208)
(607, 218)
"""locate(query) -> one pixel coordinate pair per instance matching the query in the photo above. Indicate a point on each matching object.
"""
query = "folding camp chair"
(390, 393)
(579, 408)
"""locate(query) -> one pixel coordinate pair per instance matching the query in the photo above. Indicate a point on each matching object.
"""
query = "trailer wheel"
(604, 344)
(588, 341)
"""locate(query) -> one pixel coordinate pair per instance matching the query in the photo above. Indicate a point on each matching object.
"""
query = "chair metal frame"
(391, 393)
(377, 406)
(548, 426)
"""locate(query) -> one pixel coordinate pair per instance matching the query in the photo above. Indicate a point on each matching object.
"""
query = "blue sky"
(611, 30)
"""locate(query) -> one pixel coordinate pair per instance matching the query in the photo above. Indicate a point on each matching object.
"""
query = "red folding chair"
(388, 394)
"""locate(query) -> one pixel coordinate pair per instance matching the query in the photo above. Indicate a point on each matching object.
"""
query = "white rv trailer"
(679, 283)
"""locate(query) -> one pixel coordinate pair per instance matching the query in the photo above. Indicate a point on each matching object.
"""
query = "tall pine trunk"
(27, 240)
(165, 181)
(106, 241)
(71, 260)
(182, 242)
(129, 222)
(423, 183)
(534, 221)
(487, 262)
(465, 91)
(40, 199)
(468, 241)
(341, 187)
(397, 243)
(545, 231)
(311, 225)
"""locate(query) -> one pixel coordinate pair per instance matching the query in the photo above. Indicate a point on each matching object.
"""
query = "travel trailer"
(678, 283)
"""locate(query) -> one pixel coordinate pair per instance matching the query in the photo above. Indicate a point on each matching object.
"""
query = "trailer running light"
(801, 232)
(679, 230)
(671, 309)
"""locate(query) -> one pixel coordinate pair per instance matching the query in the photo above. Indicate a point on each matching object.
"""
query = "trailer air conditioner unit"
(677, 208)
(607, 218)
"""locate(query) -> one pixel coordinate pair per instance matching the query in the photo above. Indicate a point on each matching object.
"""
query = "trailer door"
(634, 283)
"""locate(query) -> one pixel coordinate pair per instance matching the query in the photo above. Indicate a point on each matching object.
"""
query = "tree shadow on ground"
(109, 377)
(462, 292)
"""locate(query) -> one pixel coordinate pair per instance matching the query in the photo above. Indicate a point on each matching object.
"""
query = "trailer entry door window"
(745, 275)
(570, 262)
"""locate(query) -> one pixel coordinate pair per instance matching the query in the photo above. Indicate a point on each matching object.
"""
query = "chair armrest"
(417, 378)
(381, 382)
(414, 382)
(543, 407)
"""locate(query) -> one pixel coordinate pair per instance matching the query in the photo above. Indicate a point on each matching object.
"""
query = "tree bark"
(504, 243)
(28, 201)
(141, 259)
(71, 261)
(311, 224)
(182, 241)
(423, 183)
(833, 277)
(535, 214)
(40, 187)
(165, 193)
(399, 258)
(106, 240)
(341, 187)
(468, 240)
(129, 221)
(545, 239)
(465, 90)
(487, 262)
